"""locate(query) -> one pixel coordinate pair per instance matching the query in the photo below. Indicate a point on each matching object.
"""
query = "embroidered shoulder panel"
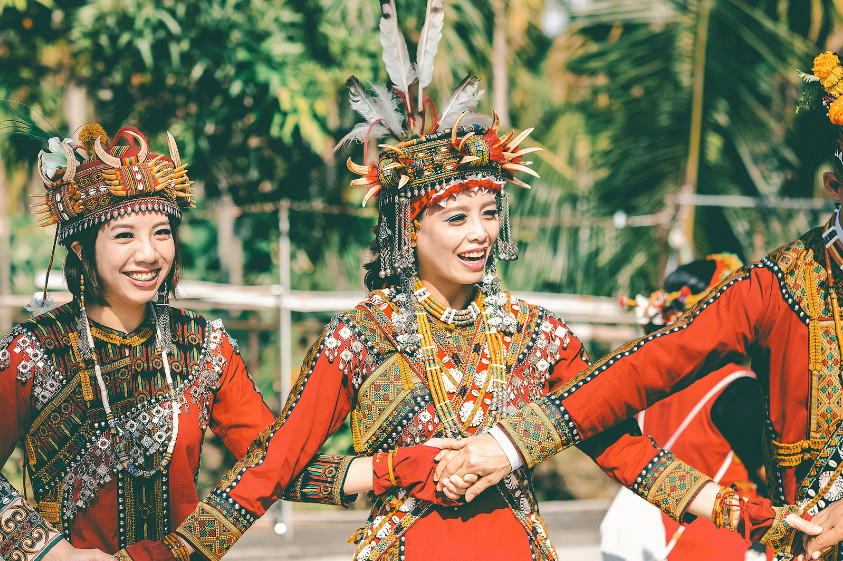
(68, 445)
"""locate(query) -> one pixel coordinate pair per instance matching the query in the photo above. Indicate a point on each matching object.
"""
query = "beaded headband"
(110, 182)
(662, 308)
(435, 157)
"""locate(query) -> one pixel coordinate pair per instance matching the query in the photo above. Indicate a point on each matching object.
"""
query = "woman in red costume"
(111, 393)
(783, 311)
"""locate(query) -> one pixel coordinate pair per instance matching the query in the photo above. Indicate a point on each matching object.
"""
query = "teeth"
(474, 254)
(142, 276)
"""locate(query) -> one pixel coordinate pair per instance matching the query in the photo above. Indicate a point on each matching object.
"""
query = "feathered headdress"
(114, 179)
(438, 154)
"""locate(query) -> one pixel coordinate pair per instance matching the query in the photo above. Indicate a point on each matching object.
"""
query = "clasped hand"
(476, 466)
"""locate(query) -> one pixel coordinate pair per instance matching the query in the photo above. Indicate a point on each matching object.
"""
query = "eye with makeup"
(491, 213)
(164, 232)
(456, 218)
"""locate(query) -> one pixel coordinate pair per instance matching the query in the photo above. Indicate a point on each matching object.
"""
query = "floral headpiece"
(435, 157)
(823, 90)
(663, 308)
(111, 181)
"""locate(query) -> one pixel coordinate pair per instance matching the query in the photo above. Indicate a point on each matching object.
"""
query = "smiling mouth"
(143, 277)
(473, 256)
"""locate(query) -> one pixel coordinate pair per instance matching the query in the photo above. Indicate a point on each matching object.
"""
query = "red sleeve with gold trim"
(318, 403)
(628, 457)
(715, 331)
(238, 414)
(24, 534)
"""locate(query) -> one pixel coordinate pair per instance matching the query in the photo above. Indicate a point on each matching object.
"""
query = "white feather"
(395, 55)
(359, 132)
(389, 108)
(364, 104)
(464, 98)
(40, 305)
(429, 39)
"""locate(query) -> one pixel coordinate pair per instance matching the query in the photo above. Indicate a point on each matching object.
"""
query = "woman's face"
(455, 241)
(134, 256)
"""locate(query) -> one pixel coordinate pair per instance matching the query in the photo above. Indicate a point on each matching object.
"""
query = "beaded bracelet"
(176, 547)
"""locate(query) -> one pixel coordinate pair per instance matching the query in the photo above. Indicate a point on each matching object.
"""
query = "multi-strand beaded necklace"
(120, 450)
(495, 378)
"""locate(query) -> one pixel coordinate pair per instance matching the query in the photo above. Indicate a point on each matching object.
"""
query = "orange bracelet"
(390, 456)
(176, 547)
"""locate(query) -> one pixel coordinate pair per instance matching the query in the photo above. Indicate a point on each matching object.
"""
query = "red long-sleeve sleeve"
(640, 373)
(318, 403)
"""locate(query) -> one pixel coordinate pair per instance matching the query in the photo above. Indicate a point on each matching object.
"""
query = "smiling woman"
(438, 349)
(110, 394)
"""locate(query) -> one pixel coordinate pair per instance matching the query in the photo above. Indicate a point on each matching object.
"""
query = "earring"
(84, 349)
(161, 311)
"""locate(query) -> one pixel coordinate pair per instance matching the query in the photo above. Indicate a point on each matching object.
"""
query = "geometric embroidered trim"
(670, 484)
(214, 527)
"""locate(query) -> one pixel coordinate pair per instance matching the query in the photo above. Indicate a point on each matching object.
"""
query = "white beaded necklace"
(119, 445)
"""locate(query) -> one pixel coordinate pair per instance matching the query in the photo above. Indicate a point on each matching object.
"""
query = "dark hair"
(74, 268)
(696, 275)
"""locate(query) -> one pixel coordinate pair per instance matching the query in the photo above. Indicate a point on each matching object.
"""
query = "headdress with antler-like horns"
(112, 181)
(437, 155)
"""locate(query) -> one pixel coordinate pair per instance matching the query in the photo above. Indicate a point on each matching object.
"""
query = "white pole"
(285, 335)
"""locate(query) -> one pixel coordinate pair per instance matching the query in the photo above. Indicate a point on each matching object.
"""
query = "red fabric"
(412, 469)
(700, 444)
(759, 515)
(750, 315)
(484, 529)
(238, 415)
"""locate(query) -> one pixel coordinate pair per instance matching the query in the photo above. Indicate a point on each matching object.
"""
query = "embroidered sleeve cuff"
(669, 484)
(507, 446)
(215, 526)
(322, 481)
(24, 534)
(540, 429)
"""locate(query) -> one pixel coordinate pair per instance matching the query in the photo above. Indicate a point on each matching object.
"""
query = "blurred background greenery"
(634, 101)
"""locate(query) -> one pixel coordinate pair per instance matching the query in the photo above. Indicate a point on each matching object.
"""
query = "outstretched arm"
(630, 379)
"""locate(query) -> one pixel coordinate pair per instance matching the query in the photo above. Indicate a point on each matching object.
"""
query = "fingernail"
(816, 555)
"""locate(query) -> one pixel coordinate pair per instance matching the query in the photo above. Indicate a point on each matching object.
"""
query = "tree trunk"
(230, 247)
(500, 76)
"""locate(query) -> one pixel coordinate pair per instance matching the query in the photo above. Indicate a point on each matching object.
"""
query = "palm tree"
(691, 95)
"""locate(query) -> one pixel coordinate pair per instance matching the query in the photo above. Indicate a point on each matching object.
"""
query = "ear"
(832, 185)
(76, 247)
